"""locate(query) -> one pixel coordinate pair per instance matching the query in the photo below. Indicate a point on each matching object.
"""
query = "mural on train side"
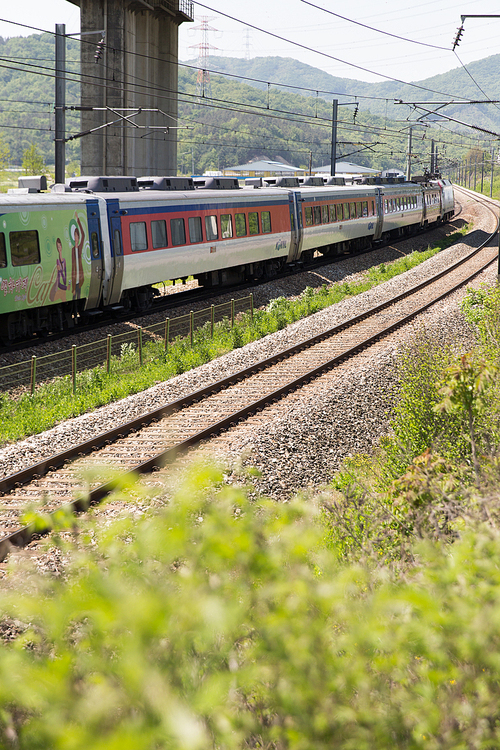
(49, 258)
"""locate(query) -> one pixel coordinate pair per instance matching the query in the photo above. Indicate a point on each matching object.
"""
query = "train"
(100, 244)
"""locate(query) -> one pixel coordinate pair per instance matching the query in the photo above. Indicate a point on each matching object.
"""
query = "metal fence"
(117, 347)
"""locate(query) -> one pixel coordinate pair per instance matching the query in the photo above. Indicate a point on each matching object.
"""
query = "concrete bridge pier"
(137, 68)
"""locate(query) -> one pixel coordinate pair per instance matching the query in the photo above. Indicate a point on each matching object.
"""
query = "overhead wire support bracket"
(453, 119)
(123, 118)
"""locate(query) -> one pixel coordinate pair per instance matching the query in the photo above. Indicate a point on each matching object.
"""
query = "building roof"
(346, 167)
(265, 165)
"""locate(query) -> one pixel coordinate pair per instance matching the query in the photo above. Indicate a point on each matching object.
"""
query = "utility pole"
(432, 156)
(490, 15)
(491, 181)
(60, 104)
(335, 104)
(408, 170)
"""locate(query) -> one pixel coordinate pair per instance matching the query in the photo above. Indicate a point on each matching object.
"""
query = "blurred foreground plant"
(216, 623)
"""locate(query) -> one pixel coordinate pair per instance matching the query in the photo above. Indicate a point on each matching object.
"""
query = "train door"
(379, 207)
(96, 255)
(294, 202)
(115, 232)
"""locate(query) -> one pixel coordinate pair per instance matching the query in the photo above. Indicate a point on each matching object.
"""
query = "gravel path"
(335, 407)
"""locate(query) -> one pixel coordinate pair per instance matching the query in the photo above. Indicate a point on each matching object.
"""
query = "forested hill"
(239, 119)
(454, 84)
(27, 98)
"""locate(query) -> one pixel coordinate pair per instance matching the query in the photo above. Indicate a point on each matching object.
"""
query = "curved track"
(155, 439)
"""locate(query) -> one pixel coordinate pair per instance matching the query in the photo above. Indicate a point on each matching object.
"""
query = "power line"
(473, 79)
(323, 54)
(371, 28)
(283, 39)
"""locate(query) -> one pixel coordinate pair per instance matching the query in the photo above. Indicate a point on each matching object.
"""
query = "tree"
(33, 161)
(4, 154)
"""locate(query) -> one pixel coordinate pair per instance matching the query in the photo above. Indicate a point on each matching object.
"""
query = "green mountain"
(235, 118)
(479, 83)
(27, 98)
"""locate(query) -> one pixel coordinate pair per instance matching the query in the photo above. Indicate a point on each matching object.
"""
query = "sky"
(326, 36)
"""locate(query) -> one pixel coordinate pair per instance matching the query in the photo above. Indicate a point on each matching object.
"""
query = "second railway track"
(156, 438)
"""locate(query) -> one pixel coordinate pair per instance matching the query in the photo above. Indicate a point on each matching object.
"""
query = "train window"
(3, 252)
(177, 232)
(317, 214)
(195, 230)
(24, 248)
(359, 211)
(226, 226)
(346, 211)
(324, 214)
(240, 225)
(309, 216)
(265, 218)
(340, 213)
(386, 206)
(372, 208)
(138, 236)
(94, 244)
(159, 233)
(365, 208)
(253, 223)
(352, 210)
(331, 212)
(211, 229)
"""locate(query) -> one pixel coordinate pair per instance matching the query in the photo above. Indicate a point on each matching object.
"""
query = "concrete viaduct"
(137, 68)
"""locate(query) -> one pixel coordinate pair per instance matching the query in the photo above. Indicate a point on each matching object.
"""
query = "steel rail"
(20, 536)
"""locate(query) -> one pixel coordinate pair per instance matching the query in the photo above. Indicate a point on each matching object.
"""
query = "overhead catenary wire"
(277, 36)
(372, 28)
(325, 54)
(305, 119)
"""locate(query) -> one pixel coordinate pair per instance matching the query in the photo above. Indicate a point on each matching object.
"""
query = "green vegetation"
(430, 476)
(33, 161)
(54, 401)
(217, 622)
(27, 106)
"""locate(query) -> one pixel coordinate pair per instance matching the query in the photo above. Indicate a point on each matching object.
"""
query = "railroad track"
(155, 439)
